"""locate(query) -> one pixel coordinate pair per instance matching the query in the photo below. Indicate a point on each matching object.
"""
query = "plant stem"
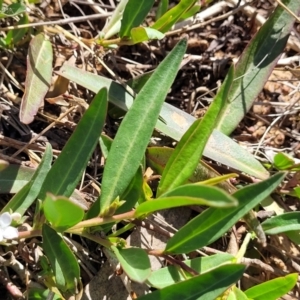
(244, 246)
(79, 228)
(116, 41)
(98, 240)
(100, 221)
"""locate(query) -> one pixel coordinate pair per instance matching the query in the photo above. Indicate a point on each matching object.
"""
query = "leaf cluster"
(14, 36)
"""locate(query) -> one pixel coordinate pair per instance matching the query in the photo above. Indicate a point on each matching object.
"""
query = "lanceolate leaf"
(157, 158)
(188, 152)
(282, 223)
(203, 287)
(139, 81)
(169, 275)
(26, 196)
(219, 147)
(105, 144)
(222, 149)
(255, 65)
(209, 193)
(294, 236)
(165, 22)
(38, 78)
(272, 289)
(214, 222)
(162, 8)
(14, 177)
(135, 131)
(134, 14)
(63, 262)
(67, 169)
(282, 161)
(113, 26)
(133, 192)
(190, 13)
(189, 194)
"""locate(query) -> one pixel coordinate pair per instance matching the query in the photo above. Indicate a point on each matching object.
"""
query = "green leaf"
(14, 178)
(67, 169)
(172, 274)
(213, 195)
(222, 149)
(214, 222)
(154, 34)
(26, 196)
(191, 12)
(139, 81)
(61, 212)
(141, 34)
(38, 78)
(294, 236)
(296, 190)
(162, 8)
(203, 287)
(188, 151)
(135, 131)
(63, 262)
(237, 294)
(157, 158)
(282, 223)
(219, 147)
(135, 262)
(132, 193)
(134, 14)
(40, 294)
(113, 25)
(105, 144)
(134, 190)
(282, 161)
(255, 65)
(165, 22)
(12, 10)
(3, 164)
(190, 194)
(273, 289)
(16, 35)
(138, 35)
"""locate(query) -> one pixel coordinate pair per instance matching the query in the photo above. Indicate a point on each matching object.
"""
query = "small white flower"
(6, 231)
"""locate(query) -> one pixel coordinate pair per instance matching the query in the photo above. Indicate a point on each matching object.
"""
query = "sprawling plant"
(125, 193)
